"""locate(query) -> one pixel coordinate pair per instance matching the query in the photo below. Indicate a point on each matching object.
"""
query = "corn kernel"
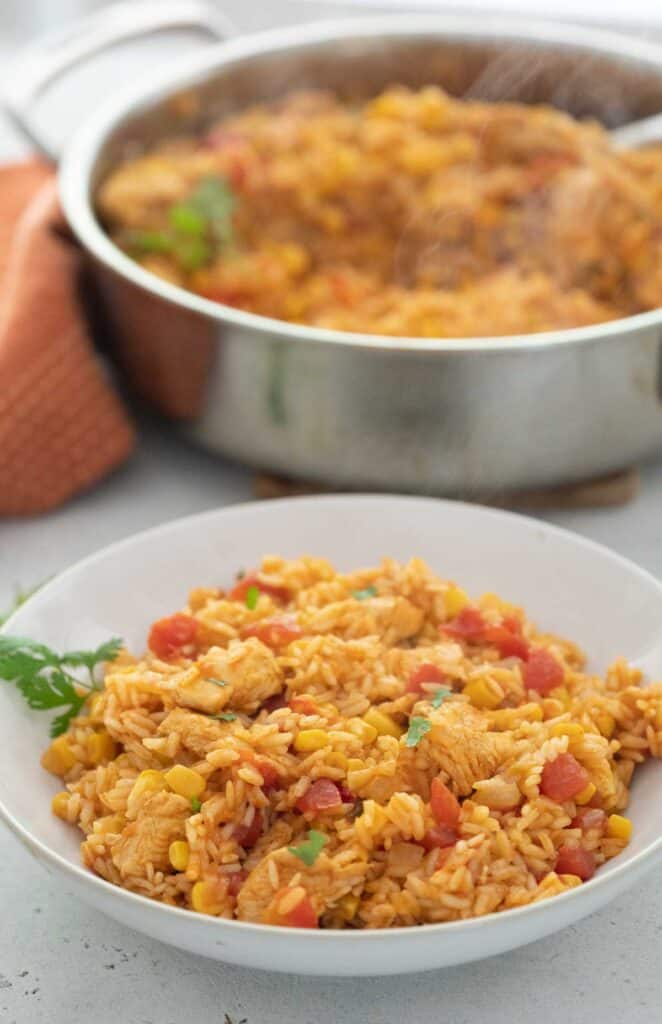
(363, 730)
(149, 781)
(480, 694)
(348, 906)
(60, 804)
(619, 827)
(100, 747)
(336, 759)
(587, 793)
(178, 854)
(109, 823)
(355, 764)
(205, 898)
(573, 730)
(59, 758)
(560, 693)
(605, 723)
(185, 781)
(311, 739)
(93, 703)
(383, 723)
(455, 600)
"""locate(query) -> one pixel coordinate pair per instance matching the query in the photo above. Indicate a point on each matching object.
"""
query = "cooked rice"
(413, 213)
(293, 713)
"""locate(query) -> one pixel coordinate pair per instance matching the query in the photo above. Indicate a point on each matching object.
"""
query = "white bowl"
(567, 584)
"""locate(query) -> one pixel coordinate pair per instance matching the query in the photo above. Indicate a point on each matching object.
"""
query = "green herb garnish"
(310, 849)
(225, 716)
(195, 804)
(198, 226)
(440, 696)
(252, 597)
(149, 241)
(362, 595)
(217, 682)
(213, 200)
(418, 727)
(44, 679)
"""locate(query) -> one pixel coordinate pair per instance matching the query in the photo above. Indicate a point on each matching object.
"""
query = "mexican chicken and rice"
(410, 214)
(360, 750)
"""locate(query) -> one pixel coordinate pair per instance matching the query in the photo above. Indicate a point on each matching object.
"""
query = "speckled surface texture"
(63, 963)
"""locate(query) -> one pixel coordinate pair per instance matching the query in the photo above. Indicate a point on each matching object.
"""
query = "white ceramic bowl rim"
(321, 935)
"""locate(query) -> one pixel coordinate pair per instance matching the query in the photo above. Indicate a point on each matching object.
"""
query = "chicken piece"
(196, 732)
(461, 745)
(250, 670)
(326, 881)
(392, 619)
(145, 841)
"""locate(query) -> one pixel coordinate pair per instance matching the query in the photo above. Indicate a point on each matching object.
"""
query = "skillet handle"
(50, 57)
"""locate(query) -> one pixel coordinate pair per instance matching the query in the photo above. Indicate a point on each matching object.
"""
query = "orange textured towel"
(62, 427)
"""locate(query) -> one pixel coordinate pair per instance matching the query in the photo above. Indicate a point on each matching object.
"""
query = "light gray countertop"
(64, 963)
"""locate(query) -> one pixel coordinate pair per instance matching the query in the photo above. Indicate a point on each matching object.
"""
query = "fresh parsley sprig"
(198, 227)
(44, 679)
(310, 849)
(418, 727)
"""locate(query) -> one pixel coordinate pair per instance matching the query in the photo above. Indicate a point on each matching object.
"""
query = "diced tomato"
(439, 837)
(274, 632)
(508, 644)
(235, 882)
(426, 673)
(240, 589)
(321, 795)
(444, 806)
(346, 794)
(274, 703)
(303, 704)
(467, 625)
(170, 636)
(470, 625)
(589, 817)
(563, 778)
(248, 835)
(269, 773)
(575, 860)
(302, 916)
(542, 672)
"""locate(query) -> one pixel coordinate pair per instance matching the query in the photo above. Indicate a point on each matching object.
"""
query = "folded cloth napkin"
(62, 427)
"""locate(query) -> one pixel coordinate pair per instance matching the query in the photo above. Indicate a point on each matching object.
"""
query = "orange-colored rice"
(363, 635)
(411, 214)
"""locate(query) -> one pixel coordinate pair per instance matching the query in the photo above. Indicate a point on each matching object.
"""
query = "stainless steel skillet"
(456, 416)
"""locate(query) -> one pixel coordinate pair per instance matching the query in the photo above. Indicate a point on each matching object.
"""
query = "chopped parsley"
(198, 226)
(440, 696)
(44, 679)
(195, 804)
(310, 849)
(252, 597)
(217, 682)
(363, 595)
(225, 716)
(418, 727)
